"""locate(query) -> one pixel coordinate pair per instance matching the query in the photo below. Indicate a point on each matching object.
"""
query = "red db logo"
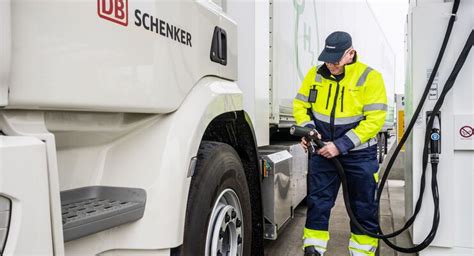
(113, 10)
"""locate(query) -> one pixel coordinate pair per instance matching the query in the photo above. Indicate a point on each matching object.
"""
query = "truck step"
(89, 210)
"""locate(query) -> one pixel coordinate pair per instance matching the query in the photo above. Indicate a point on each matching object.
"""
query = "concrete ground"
(392, 212)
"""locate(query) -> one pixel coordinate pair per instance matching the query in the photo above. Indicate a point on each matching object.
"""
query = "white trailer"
(125, 128)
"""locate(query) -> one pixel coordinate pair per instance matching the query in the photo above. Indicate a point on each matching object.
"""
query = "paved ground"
(392, 211)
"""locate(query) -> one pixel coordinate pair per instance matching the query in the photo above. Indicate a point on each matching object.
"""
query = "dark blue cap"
(336, 44)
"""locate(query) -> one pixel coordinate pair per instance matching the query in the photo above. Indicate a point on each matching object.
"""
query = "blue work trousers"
(323, 186)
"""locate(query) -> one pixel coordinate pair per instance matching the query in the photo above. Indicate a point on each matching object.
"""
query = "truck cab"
(133, 127)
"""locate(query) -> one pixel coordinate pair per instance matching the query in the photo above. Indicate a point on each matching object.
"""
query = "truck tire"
(218, 215)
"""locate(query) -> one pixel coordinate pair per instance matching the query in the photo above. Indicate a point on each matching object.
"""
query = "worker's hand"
(329, 150)
(304, 144)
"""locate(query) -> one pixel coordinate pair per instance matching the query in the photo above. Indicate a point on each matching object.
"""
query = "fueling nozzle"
(311, 135)
(435, 140)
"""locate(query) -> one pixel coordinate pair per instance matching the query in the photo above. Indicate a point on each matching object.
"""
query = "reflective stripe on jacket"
(349, 112)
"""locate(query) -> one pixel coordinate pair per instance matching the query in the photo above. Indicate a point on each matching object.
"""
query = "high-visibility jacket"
(350, 112)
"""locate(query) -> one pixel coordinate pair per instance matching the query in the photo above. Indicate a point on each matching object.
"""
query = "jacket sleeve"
(374, 110)
(301, 104)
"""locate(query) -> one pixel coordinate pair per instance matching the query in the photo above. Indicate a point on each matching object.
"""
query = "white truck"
(125, 128)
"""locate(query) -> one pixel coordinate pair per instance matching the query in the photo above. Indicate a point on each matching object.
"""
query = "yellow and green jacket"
(350, 112)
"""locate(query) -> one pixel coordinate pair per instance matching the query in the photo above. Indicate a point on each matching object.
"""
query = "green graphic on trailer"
(305, 36)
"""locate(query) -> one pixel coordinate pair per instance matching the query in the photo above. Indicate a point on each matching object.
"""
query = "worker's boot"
(311, 251)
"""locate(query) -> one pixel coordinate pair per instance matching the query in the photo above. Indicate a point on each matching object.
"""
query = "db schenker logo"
(113, 10)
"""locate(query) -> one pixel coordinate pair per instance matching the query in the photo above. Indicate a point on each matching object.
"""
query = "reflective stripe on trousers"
(362, 245)
(317, 238)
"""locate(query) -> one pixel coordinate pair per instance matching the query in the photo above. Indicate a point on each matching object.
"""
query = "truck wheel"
(218, 216)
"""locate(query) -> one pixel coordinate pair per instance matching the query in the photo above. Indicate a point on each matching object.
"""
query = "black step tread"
(89, 210)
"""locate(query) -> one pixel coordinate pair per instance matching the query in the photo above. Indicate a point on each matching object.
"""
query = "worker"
(345, 101)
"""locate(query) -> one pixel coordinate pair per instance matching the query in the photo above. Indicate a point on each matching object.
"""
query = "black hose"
(434, 183)
(448, 85)
(306, 132)
(417, 112)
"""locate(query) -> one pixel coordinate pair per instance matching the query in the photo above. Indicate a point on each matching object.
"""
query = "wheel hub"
(225, 232)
